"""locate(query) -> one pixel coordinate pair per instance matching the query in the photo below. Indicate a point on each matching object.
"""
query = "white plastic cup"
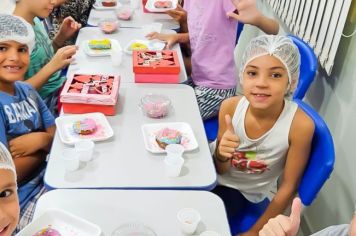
(174, 150)
(71, 159)
(173, 166)
(209, 233)
(189, 219)
(116, 57)
(134, 4)
(85, 149)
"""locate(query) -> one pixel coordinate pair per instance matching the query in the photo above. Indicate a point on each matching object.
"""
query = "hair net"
(17, 29)
(6, 161)
(280, 47)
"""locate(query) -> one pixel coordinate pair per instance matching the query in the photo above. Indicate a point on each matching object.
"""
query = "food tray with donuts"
(160, 5)
(106, 4)
(56, 222)
(83, 93)
(92, 126)
(157, 136)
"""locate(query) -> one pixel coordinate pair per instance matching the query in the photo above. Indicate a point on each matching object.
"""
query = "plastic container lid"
(155, 105)
(134, 228)
(109, 26)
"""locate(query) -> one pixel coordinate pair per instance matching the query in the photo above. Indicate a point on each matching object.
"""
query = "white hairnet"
(280, 47)
(17, 29)
(6, 161)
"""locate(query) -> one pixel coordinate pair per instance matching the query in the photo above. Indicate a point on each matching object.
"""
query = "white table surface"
(155, 208)
(123, 162)
(138, 18)
(89, 64)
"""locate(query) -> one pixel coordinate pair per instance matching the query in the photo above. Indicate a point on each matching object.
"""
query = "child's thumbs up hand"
(229, 141)
(283, 225)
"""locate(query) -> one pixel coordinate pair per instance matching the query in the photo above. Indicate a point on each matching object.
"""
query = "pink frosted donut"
(168, 136)
(48, 231)
(85, 126)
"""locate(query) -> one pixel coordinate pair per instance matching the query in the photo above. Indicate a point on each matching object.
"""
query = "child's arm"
(171, 39)
(180, 15)
(31, 143)
(66, 31)
(227, 140)
(26, 165)
(248, 13)
(61, 59)
(300, 138)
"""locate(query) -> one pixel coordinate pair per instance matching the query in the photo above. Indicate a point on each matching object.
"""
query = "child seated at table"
(267, 134)
(9, 202)
(44, 72)
(212, 37)
(26, 125)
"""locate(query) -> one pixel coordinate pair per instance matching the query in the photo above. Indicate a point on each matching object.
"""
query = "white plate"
(151, 45)
(98, 6)
(151, 7)
(65, 223)
(150, 130)
(68, 136)
(100, 53)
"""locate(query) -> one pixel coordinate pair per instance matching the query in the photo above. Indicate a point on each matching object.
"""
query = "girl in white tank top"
(267, 134)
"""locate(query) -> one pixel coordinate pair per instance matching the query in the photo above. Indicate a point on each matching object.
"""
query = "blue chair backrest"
(308, 67)
(321, 160)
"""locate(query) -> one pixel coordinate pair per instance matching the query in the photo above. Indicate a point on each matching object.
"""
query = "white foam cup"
(189, 219)
(174, 150)
(85, 148)
(116, 57)
(134, 4)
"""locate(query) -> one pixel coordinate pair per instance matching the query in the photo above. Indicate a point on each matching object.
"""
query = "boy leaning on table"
(26, 125)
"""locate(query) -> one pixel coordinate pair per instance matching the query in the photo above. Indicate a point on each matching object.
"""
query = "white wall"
(6, 6)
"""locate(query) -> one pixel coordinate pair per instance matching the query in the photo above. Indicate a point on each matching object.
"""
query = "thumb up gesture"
(229, 141)
(284, 225)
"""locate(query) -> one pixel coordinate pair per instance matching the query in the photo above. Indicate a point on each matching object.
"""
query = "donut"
(138, 46)
(168, 136)
(85, 126)
(163, 4)
(47, 231)
(109, 3)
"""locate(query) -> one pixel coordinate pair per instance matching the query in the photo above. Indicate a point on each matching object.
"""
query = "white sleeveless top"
(259, 162)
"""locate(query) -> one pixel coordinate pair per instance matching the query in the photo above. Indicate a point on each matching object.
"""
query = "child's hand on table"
(171, 39)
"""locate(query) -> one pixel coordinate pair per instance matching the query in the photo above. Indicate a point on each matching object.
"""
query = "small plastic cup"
(71, 159)
(109, 26)
(173, 166)
(116, 57)
(209, 233)
(85, 149)
(189, 219)
(174, 150)
(124, 13)
(155, 105)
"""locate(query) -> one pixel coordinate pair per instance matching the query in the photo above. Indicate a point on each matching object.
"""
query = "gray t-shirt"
(335, 230)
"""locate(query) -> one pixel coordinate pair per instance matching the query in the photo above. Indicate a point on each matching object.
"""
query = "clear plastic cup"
(173, 166)
(174, 150)
(189, 219)
(71, 159)
(109, 26)
(124, 13)
(85, 148)
(209, 233)
(155, 106)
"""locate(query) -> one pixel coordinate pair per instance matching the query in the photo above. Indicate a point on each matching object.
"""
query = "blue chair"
(318, 170)
(308, 67)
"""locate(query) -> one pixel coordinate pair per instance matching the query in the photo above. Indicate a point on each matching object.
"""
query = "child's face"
(14, 60)
(9, 203)
(40, 8)
(265, 82)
